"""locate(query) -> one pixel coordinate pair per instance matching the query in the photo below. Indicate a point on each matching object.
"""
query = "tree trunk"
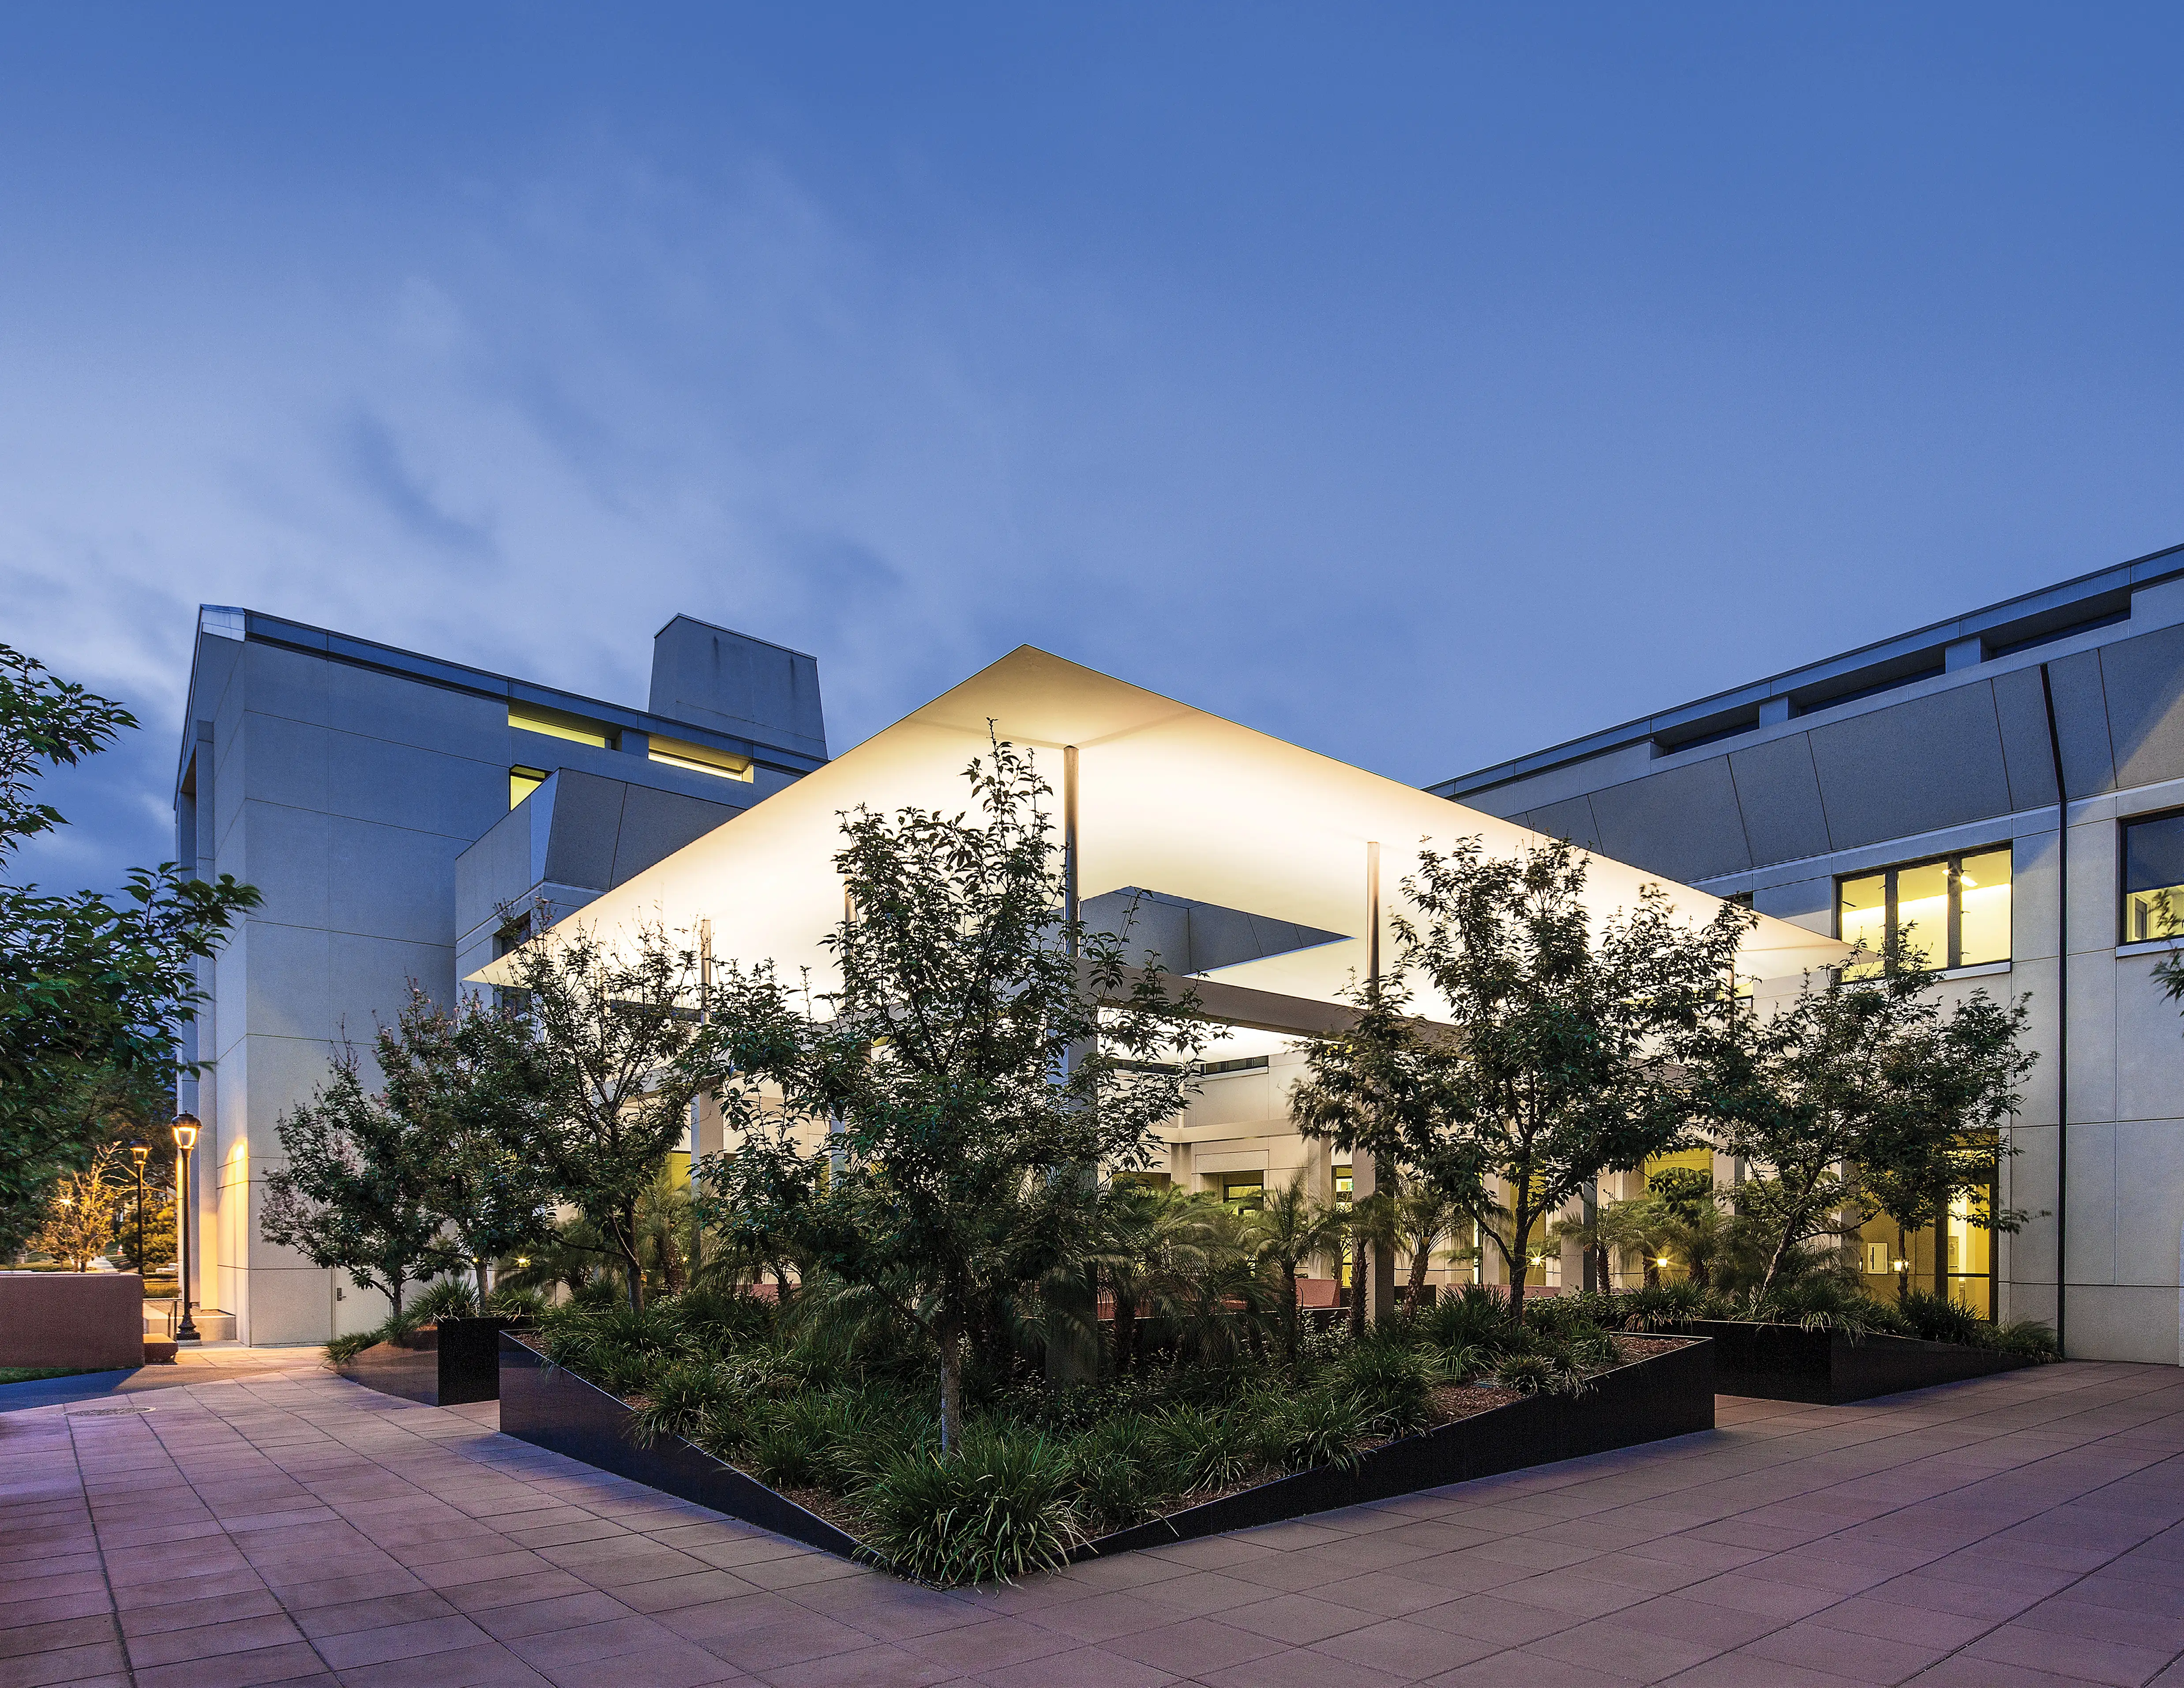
(1289, 1311)
(1421, 1263)
(1126, 1331)
(1359, 1272)
(395, 1278)
(951, 1387)
(1601, 1273)
(484, 1289)
(1520, 1262)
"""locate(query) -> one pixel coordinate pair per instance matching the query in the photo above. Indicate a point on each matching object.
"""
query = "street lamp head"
(138, 1148)
(186, 1131)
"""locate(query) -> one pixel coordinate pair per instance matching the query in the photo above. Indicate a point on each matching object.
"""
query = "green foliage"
(614, 1027)
(352, 1193)
(469, 1086)
(1113, 1464)
(94, 992)
(1325, 1426)
(1933, 1319)
(999, 1508)
(1200, 1449)
(1472, 1316)
(1551, 1067)
(1862, 1097)
(1540, 1374)
(1390, 1382)
(965, 1056)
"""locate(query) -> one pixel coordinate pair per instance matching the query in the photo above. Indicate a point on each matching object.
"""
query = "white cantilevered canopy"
(1170, 799)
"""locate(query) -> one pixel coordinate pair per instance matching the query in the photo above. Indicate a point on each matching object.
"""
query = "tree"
(356, 1191)
(93, 992)
(1292, 1228)
(1860, 1096)
(979, 1057)
(470, 1084)
(614, 1027)
(1554, 1063)
(83, 1212)
(1424, 1215)
(1382, 1086)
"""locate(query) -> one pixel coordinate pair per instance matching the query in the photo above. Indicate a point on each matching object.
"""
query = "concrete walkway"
(2022, 1530)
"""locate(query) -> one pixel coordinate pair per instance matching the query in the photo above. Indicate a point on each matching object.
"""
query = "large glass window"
(522, 782)
(1952, 912)
(2154, 879)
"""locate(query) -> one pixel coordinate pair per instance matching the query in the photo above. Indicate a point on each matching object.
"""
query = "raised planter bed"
(448, 1364)
(1826, 1368)
(1669, 1393)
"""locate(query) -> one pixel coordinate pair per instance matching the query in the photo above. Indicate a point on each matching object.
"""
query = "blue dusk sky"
(1424, 384)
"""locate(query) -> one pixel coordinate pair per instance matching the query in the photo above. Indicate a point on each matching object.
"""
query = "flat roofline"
(2146, 570)
(459, 676)
(700, 622)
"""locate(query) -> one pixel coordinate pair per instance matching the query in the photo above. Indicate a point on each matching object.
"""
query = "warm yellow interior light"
(556, 725)
(701, 759)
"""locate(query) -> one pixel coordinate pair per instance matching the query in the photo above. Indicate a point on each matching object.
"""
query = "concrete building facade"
(1916, 781)
(398, 812)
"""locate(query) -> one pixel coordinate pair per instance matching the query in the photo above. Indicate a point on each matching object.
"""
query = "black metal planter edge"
(453, 1365)
(1646, 1401)
(552, 1407)
(1827, 1368)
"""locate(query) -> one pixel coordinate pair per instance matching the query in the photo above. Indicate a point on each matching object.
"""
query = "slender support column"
(1072, 1347)
(698, 1103)
(1366, 1177)
(1069, 844)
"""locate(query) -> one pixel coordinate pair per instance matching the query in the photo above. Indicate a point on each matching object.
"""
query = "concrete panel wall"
(1682, 823)
(1957, 764)
(1933, 762)
(1778, 798)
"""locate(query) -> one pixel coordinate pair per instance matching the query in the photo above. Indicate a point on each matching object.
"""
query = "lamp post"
(138, 1150)
(186, 1139)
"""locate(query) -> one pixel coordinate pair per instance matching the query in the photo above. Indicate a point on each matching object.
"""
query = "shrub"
(991, 1512)
(1393, 1384)
(679, 1399)
(447, 1298)
(720, 1323)
(1661, 1306)
(2032, 1337)
(1933, 1319)
(343, 1349)
(1112, 1467)
(1198, 1448)
(1473, 1316)
(1323, 1427)
(1541, 1373)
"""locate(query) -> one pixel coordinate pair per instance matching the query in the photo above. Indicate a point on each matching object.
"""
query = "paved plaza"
(283, 1525)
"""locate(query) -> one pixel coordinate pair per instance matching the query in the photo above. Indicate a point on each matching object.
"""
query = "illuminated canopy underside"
(1168, 797)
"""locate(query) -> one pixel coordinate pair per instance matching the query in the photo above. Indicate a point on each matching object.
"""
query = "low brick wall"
(90, 1319)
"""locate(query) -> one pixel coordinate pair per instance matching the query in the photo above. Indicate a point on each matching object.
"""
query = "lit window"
(699, 759)
(1342, 1186)
(534, 718)
(521, 783)
(2154, 879)
(1953, 912)
(1245, 1194)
